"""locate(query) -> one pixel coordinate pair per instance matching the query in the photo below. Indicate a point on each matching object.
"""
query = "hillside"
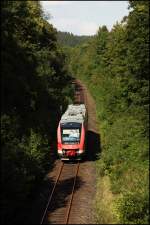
(71, 40)
(114, 66)
(35, 83)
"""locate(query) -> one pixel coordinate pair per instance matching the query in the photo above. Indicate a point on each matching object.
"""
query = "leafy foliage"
(35, 83)
(114, 65)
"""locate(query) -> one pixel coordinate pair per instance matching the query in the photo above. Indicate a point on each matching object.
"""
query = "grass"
(104, 204)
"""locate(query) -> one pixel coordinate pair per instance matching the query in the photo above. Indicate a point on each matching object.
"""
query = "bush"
(133, 208)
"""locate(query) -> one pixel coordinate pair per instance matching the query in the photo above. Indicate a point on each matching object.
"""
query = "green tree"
(114, 66)
(35, 82)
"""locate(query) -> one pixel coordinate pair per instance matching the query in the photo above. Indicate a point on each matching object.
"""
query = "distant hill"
(69, 39)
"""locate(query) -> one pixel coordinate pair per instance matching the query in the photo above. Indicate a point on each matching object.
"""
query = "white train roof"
(74, 113)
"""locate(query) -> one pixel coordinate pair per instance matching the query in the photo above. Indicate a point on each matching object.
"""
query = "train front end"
(71, 140)
(71, 137)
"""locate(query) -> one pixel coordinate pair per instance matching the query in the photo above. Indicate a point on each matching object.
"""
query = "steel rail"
(72, 195)
(51, 194)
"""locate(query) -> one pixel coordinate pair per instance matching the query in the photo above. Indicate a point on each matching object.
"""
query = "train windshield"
(71, 133)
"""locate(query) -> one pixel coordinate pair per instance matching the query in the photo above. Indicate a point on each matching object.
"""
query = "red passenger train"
(71, 133)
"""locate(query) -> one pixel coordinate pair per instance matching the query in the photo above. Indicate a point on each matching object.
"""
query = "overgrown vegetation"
(35, 83)
(114, 65)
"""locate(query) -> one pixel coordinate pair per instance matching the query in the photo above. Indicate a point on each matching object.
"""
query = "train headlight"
(59, 151)
(80, 151)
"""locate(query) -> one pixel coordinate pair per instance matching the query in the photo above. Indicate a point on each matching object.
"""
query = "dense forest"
(71, 40)
(115, 67)
(35, 87)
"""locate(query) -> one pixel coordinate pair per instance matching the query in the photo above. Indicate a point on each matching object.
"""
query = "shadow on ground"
(93, 148)
(63, 190)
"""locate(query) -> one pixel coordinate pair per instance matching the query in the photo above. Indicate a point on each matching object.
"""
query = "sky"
(84, 17)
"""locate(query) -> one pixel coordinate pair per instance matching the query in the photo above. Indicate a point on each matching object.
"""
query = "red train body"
(71, 133)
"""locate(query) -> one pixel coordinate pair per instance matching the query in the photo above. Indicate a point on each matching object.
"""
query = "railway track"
(79, 94)
(59, 206)
(64, 185)
(67, 195)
